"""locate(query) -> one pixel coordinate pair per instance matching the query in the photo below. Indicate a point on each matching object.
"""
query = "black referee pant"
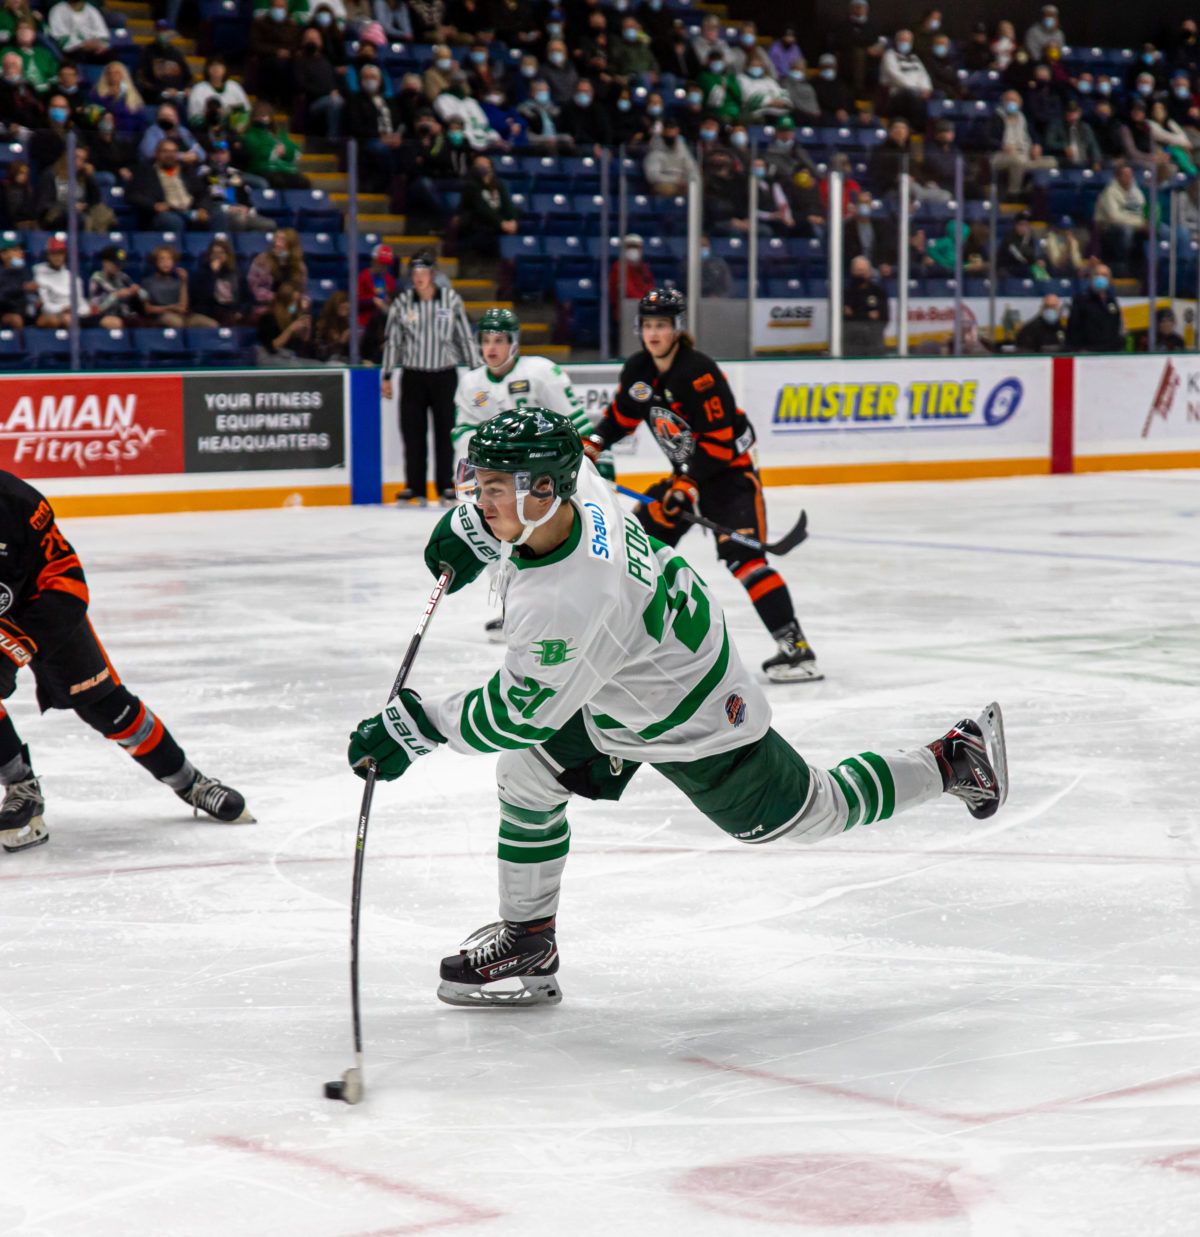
(424, 392)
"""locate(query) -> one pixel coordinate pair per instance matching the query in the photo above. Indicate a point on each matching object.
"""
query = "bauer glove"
(682, 495)
(394, 738)
(462, 541)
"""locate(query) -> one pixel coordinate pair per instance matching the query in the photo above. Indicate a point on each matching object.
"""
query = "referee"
(426, 335)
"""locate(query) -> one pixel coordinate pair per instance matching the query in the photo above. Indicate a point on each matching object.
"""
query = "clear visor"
(467, 486)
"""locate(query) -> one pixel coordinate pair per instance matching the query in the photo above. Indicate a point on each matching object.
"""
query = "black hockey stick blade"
(790, 540)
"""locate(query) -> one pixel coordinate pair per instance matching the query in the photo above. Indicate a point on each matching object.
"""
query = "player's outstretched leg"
(123, 718)
(21, 823)
(504, 951)
(795, 662)
(973, 761)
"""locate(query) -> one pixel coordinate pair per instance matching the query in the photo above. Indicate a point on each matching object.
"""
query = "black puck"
(334, 1091)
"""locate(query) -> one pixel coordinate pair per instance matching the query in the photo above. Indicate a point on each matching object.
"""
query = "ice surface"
(929, 1027)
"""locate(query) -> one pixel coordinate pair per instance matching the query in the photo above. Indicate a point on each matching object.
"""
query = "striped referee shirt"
(428, 335)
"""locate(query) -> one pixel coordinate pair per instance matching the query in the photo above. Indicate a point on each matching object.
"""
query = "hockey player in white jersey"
(507, 381)
(617, 655)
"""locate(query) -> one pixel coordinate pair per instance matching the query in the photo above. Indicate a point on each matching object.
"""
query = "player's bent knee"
(525, 780)
(119, 715)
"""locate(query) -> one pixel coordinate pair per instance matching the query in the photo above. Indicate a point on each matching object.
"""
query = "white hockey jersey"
(620, 626)
(533, 381)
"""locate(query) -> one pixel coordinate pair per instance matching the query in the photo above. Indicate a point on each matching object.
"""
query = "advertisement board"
(91, 425)
(264, 422)
(1132, 408)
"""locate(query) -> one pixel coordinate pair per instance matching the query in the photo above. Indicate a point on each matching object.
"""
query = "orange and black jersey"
(37, 564)
(690, 409)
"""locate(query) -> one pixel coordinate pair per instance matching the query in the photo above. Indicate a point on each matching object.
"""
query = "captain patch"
(640, 391)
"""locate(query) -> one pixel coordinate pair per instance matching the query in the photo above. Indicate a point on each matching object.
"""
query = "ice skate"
(410, 498)
(21, 823)
(525, 952)
(495, 630)
(795, 662)
(219, 801)
(974, 762)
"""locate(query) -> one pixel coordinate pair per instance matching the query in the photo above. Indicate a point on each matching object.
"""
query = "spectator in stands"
(285, 331)
(217, 102)
(1186, 45)
(272, 154)
(850, 187)
(428, 20)
(218, 290)
(375, 123)
(18, 290)
(332, 342)
(1004, 46)
(887, 160)
(112, 154)
(486, 211)
(167, 128)
(632, 60)
(376, 284)
(431, 158)
(784, 154)
(585, 121)
(1167, 337)
(860, 45)
(905, 81)
(528, 71)
(457, 104)
(627, 123)
(1044, 33)
(112, 293)
(283, 263)
(1072, 142)
(801, 94)
(273, 38)
(1108, 129)
(1043, 105)
(165, 293)
(773, 211)
(79, 30)
(410, 99)
(804, 193)
(48, 143)
(165, 193)
(763, 98)
(504, 119)
(560, 74)
(68, 84)
(1095, 324)
(163, 74)
(668, 162)
(716, 279)
(1016, 151)
(393, 16)
(436, 78)
(39, 65)
(324, 19)
(1181, 100)
(1120, 217)
(864, 311)
(12, 12)
(1138, 146)
(936, 174)
(592, 50)
(742, 47)
(20, 109)
(1020, 255)
(226, 195)
(315, 81)
(1170, 138)
(836, 97)
(977, 52)
(725, 196)
(1061, 252)
(786, 54)
(710, 39)
(870, 235)
(1149, 74)
(483, 76)
(54, 283)
(722, 93)
(541, 115)
(20, 200)
(639, 278)
(53, 197)
(117, 94)
(1046, 331)
(942, 65)
(676, 56)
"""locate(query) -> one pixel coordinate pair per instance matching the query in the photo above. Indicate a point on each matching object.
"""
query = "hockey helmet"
(498, 321)
(663, 303)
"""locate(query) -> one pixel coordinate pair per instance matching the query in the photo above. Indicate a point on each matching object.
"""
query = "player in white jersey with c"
(507, 381)
(617, 654)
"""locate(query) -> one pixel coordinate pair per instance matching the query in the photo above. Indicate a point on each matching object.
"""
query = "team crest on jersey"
(735, 709)
(553, 652)
(703, 382)
(6, 598)
(673, 433)
(520, 387)
(640, 391)
(479, 398)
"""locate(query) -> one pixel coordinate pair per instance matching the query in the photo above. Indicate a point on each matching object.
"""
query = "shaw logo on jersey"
(598, 546)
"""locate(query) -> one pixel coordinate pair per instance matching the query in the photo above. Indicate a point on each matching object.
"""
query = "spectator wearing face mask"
(1044, 33)
(1046, 331)
(456, 103)
(436, 78)
(904, 81)
(559, 73)
(722, 94)
(1108, 128)
(394, 17)
(1149, 74)
(785, 156)
(116, 93)
(48, 144)
(668, 164)
(977, 53)
(859, 45)
(639, 278)
(505, 119)
(725, 197)
(801, 93)
(942, 65)
(870, 234)
(18, 288)
(632, 60)
(1096, 324)
(743, 47)
(70, 85)
(716, 279)
(375, 123)
(162, 70)
(835, 96)
(484, 76)
(79, 30)
(629, 122)
(772, 209)
(926, 33)
(585, 120)
(763, 98)
(710, 39)
(315, 81)
(1016, 151)
(486, 211)
(1181, 101)
(785, 54)
(542, 118)
(166, 125)
(273, 42)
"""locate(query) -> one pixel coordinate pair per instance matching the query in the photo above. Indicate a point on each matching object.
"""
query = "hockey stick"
(786, 543)
(349, 1087)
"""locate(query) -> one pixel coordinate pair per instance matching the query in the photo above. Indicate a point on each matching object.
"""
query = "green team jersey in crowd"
(533, 382)
(615, 624)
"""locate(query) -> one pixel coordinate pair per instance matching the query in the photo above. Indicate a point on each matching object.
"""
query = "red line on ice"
(940, 1114)
(462, 1212)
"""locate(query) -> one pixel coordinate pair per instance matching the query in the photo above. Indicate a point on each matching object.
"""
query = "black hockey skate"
(795, 662)
(21, 823)
(504, 951)
(410, 498)
(495, 630)
(974, 762)
(219, 801)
